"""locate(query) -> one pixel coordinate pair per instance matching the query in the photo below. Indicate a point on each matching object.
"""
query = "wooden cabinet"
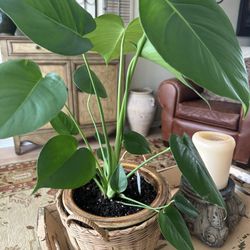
(20, 47)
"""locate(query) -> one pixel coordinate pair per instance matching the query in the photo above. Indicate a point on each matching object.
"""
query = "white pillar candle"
(216, 150)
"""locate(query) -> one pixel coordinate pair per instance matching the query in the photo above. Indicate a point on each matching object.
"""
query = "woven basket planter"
(138, 231)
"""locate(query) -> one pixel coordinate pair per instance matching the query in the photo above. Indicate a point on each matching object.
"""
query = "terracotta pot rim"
(122, 221)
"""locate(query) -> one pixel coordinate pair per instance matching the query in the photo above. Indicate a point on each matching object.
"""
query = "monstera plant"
(193, 39)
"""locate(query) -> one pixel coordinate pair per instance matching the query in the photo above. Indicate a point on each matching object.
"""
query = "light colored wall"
(231, 7)
(150, 75)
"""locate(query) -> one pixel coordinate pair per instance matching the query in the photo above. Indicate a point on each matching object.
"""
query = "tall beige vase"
(141, 110)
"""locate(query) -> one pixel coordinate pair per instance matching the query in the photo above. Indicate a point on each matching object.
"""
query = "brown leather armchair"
(184, 111)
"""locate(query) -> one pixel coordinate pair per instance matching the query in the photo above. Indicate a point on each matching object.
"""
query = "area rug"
(18, 208)
(22, 176)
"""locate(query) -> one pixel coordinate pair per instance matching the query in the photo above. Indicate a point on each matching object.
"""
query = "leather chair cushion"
(222, 114)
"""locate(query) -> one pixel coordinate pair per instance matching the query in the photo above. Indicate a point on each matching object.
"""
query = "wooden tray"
(50, 230)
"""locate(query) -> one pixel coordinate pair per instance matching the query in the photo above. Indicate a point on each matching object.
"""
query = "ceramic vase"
(141, 110)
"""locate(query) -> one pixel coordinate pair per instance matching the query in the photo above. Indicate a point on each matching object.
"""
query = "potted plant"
(192, 39)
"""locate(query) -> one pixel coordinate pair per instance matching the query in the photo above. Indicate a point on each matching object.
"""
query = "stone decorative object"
(141, 110)
(212, 224)
(7, 27)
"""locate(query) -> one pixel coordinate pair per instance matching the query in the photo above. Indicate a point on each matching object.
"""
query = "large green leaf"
(65, 166)
(27, 100)
(133, 34)
(58, 26)
(185, 206)
(174, 229)
(193, 168)
(64, 125)
(197, 39)
(135, 143)
(108, 35)
(150, 53)
(84, 84)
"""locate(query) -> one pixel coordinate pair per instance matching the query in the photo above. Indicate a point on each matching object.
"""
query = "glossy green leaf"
(197, 39)
(118, 180)
(64, 125)
(185, 206)
(27, 99)
(174, 229)
(108, 35)
(193, 168)
(135, 143)
(58, 26)
(83, 82)
(150, 53)
(133, 34)
(64, 167)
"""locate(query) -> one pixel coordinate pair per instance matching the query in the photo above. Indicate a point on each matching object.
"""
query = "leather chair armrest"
(244, 124)
(242, 151)
(173, 91)
(169, 94)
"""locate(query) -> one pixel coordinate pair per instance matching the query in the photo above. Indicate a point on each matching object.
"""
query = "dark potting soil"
(90, 199)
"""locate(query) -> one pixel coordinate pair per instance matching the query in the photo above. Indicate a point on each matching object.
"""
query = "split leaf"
(59, 26)
(197, 39)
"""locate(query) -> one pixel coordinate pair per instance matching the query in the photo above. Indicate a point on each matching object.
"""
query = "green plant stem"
(109, 170)
(122, 114)
(120, 79)
(79, 129)
(98, 137)
(130, 75)
(119, 127)
(137, 203)
(148, 207)
(100, 186)
(95, 126)
(148, 160)
(169, 204)
(84, 139)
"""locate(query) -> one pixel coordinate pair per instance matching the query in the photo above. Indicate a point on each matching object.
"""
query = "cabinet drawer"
(18, 48)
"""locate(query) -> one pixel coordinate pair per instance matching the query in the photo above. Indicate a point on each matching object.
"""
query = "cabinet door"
(63, 69)
(108, 76)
